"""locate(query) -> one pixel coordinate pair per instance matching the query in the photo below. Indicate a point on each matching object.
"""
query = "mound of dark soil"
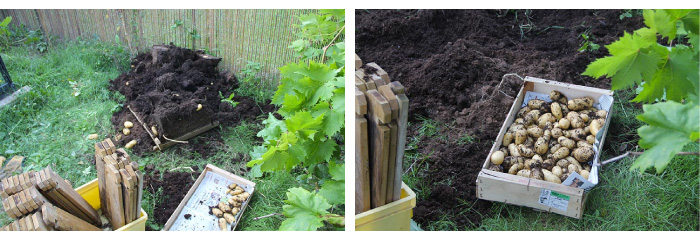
(166, 86)
(175, 186)
(451, 63)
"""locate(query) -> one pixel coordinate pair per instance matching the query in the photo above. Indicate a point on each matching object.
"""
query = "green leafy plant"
(628, 13)
(666, 77)
(252, 85)
(228, 100)
(587, 43)
(311, 100)
(5, 32)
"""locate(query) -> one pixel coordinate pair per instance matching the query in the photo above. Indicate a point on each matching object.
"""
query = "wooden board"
(73, 198)
(401, 143)
(64, 221)
(362, 177)
(386, 91)
(380, 72)
(391, 162)
(114, 197)
(360, 84)
(379, 140)
(139, 189)
(397, 88)
(360, 103)
(358, 62)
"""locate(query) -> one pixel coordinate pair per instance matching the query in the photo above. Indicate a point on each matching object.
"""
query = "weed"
(252, 85)
(587, 43)
(465, 139)
(228, 100)
(628, 13)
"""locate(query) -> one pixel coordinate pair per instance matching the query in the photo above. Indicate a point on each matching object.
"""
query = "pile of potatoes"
(229, 207)
(548, 141)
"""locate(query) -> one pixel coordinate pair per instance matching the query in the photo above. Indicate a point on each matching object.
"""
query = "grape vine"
(666, 77)
(311, 101)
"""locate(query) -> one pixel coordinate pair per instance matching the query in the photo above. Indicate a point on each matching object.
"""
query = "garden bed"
(451, 63)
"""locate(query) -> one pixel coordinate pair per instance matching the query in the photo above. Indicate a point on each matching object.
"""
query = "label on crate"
(554, 199)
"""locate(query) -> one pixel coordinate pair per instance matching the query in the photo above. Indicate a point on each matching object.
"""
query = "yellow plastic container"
(91, 193)
(395, 216)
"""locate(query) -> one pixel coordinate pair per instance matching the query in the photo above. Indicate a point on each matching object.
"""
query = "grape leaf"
(630, 62)
(273, 128)
(333, 191)
(319, 151)
(337, 171)
(671, 126)
(304, 124)
(304, 210)
(677, 78)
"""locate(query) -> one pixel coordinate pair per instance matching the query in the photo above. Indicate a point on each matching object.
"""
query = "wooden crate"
(244, 183)
(516, 190)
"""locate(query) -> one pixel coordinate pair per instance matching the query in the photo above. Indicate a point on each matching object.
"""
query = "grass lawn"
(69, 100)
(623, 200)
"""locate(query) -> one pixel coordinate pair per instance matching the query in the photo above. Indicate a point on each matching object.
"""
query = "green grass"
(623, 200)
(49, 125)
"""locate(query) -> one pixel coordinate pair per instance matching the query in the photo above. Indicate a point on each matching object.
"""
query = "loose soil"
(165, 87)
(175, 186)
(452, 62)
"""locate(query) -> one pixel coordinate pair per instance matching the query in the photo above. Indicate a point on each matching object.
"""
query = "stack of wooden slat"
(381, 118)
(30, 197)
(120, 184)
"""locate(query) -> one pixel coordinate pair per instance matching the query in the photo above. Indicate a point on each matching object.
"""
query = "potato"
(520, 136)
(523, 111)
(126, 131)
(511, 160)
(497, 168)
(550, 177)
(90, 137)
(236, 192)
(515, 127)
(584, 174)
(548, 164)
(556, 110)
(596, 125)
(515, 168)
(128, 124)
(504, 149)
(577, 134)
(573, 168)
(235, 211)
(524, 173)
(577, 104)
(532, 163)
(529, 142)
(560, 153)
(571, 115)
(536, 173)
(224, 207)
(217, 212)
(232, 202)
(541, 146)
(583, 154)
(531, 117)
(130, 144)
(563, 163)
(497, 157)
(584, 116)
(525, 151)
(573, 161)
(519, 121)
(222, 224)
(587, 167)
(566, 142)
(556, 170)
(507, 138)
(601, 114)
(513, 150)
(557, 132)
(577, 122)
(587, 130)
(564, 123)
(544, 119)
(583, 144)
(536, 104)
(199, 107)
(554, 147)
(232, 186)
(535, 131)
(154, 130)
(564, 176)
(555, 95)
(229, 218)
